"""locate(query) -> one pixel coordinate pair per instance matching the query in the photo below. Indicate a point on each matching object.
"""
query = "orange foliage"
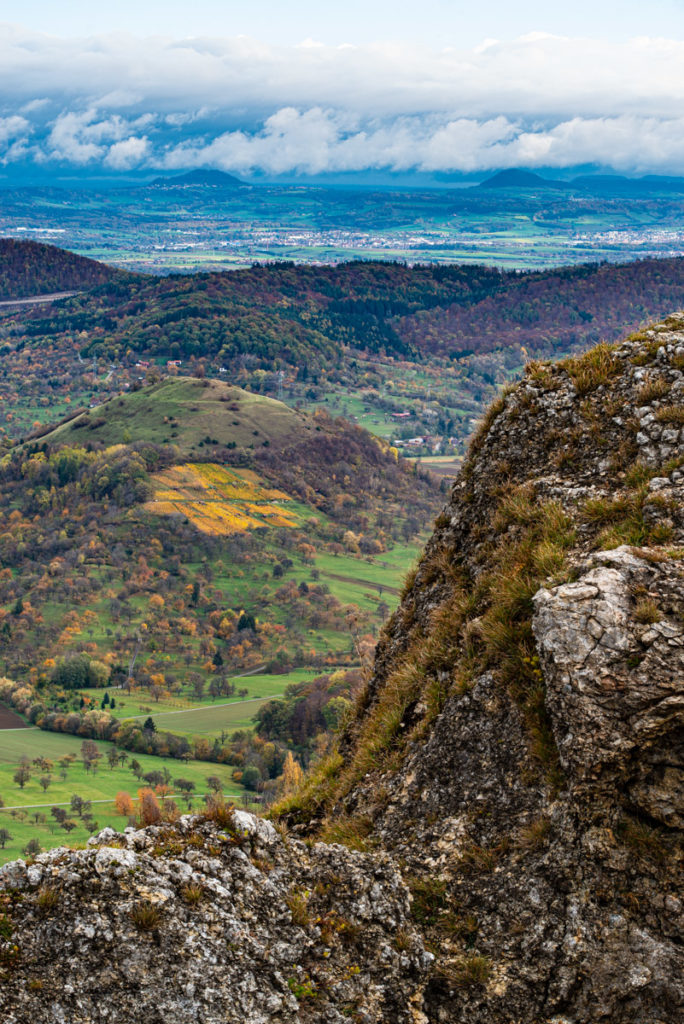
(218, 500)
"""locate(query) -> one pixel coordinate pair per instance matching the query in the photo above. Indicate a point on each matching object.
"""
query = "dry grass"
(192, 893)
(542, 374)
(647, 611)
(468, 972)
(47, 900)
(352, 832)
(671, 414)
(298, 905)
(652, 390)
(644, 841)
(535, 835)
(593, 369)
(145, 916)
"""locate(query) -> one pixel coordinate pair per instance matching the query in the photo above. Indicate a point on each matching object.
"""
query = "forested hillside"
(291, 315)
(551, 312)
(405, 351)
(173, 565)
(31, 268)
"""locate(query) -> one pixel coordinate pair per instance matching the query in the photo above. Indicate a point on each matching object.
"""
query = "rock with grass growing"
(519, 746)
(206, 920)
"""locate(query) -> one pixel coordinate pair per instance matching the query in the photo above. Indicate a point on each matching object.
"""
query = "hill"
(211, 533)
(508, 789)
(32, 268)
(615, 184)
(408, 352)
(188, 413)
(199, 178)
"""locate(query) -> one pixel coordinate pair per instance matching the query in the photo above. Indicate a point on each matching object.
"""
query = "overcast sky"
(285, 88)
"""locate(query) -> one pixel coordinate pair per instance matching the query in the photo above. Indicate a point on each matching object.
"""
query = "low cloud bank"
(540, 101)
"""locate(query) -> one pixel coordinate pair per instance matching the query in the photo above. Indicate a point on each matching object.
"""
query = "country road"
(34, 300)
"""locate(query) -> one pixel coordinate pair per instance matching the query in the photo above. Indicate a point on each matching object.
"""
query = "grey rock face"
(614, 684)
(195, 923)
(570, 890)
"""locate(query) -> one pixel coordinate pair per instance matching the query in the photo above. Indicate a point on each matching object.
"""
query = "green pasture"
(212, 721)
(158, 411)
(100, 786)
(49, 834)
(140, 704)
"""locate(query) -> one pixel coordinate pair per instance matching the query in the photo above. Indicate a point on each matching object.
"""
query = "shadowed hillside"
(32, 268)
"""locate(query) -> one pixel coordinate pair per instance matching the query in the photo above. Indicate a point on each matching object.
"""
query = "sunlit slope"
(190, 413)
(219, 500)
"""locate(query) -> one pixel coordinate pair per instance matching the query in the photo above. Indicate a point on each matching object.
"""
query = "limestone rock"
(197, 923)
(614, 684)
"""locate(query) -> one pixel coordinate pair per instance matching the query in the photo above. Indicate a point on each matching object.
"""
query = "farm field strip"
(219, 500)
(212, 707)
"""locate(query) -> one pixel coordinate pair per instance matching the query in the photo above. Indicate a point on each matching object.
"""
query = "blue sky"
(304, 88)
(430, 22)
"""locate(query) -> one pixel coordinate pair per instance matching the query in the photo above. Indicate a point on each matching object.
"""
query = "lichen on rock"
(195, 922)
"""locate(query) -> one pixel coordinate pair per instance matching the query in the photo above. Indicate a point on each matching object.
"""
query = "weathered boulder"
(201, 923)
(612, 649)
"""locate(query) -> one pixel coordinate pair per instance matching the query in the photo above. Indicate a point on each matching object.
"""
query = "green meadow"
(21, 805)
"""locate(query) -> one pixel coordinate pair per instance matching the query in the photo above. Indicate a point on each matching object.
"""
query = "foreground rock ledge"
(207, 924)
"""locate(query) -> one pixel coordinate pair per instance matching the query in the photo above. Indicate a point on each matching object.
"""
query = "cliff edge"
(497, 836)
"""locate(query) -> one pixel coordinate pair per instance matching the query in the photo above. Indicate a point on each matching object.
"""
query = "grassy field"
(211, 721)
(140, 704)
(210, 717)
(441, 465)
(100, 787)
(206, 409)
(368, 581)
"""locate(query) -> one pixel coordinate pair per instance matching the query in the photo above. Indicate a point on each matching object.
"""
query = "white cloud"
(127, 153)
(317, 141)
(12, 128)
(239, 104)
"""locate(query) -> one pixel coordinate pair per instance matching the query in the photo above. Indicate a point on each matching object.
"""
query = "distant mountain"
(618, 184)
(515, 178)
(32, 268)
(201, 177)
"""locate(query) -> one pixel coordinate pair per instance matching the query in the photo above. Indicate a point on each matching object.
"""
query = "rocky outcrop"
(614, 680)
(514, 772)
(530, 780)
(202, 923)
